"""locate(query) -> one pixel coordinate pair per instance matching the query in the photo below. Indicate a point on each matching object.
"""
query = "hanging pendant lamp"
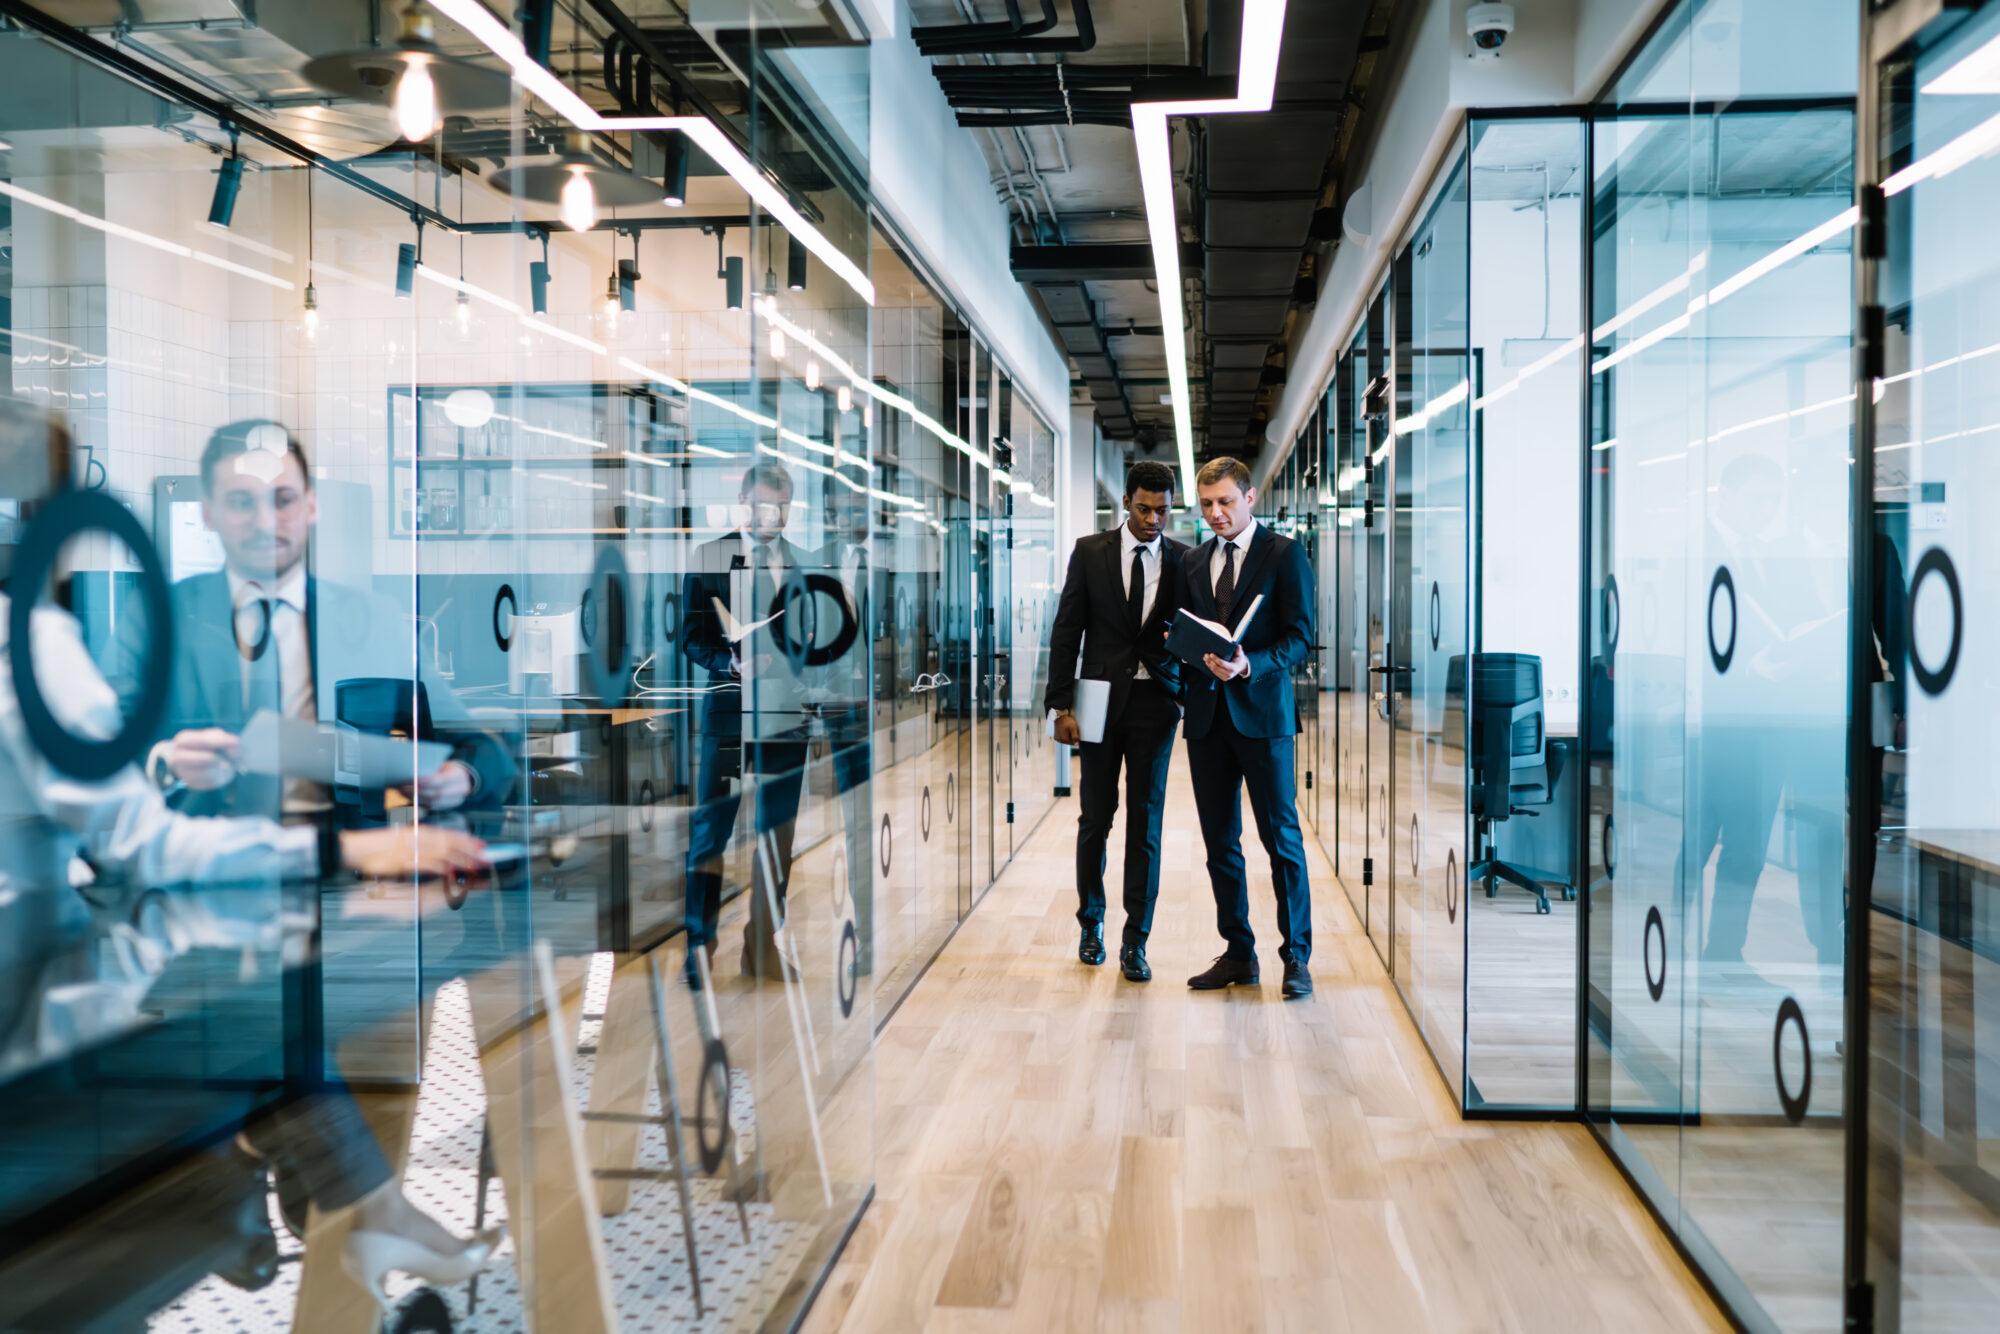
(413, 77)
(579, 182)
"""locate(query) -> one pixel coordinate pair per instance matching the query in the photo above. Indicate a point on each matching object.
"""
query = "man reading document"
(1121, 591)
(1241, 721)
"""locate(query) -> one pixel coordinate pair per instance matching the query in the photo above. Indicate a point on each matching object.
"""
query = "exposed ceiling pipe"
(952, 38)
(1006, 44)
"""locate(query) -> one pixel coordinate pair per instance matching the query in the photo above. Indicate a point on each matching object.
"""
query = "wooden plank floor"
(1061, 1150)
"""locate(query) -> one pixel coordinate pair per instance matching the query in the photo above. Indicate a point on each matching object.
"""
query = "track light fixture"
(732, 278)
(223, 206)
(675, 178)
(406, 271)
(538, 280)
(628, 281)
(413, 76)
(795, 264)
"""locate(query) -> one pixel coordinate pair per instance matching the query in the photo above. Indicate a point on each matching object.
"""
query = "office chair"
(1512, 767)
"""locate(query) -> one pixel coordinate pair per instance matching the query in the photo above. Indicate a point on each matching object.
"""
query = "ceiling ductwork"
(1063, 94)
(1014, 37)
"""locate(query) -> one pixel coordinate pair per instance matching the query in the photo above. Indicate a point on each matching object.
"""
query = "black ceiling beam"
(1092, 263)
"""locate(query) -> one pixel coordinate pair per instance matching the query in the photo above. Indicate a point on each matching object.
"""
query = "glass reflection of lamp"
(414, 76)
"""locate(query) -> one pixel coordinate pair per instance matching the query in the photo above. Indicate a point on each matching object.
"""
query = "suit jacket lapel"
(1200, 582)
(1114, 564)
(1254, 560)
(211, 630)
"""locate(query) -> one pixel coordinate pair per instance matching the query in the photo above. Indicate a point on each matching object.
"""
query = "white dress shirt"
(1242, 544)
(1127, 544)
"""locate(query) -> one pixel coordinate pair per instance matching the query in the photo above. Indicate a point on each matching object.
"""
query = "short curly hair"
(1146, 475)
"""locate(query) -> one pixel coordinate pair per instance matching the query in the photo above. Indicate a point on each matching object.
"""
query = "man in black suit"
(753, 718)
(1240, 723)
(1120, 592)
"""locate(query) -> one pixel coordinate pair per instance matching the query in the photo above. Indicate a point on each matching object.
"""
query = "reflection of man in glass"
(752, 716)
(844, 707)
(264, 634)
(1763, 715)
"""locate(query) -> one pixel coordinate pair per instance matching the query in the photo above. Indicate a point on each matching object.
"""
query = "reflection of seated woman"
(125, 827)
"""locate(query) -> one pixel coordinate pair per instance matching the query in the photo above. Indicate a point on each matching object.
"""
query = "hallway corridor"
(1062, 1150)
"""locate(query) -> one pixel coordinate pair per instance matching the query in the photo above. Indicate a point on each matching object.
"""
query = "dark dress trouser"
(777, 764)
(1141, 742)
(1222, 763)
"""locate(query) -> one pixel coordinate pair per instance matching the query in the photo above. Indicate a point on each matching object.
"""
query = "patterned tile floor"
(647, 1254)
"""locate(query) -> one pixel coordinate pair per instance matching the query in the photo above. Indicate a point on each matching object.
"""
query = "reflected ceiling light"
(463, 315)
(223, 206)
(812, 375)
(1977, 73)
(795, 264)
(1256, 80)
(479, 22)
(413, 76)
(868, 415)
(843, 398)
(674, 179)
(578, 182)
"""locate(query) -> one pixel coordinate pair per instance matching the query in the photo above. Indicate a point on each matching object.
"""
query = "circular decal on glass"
(796, 609)
(1451, 884)
(254, 652)
(1608, 625)
(646, 798)
(1413, 843)
(504, 637)
(924, 814)
(610, 655)
(903, 609)
(882, 841)
(839, 880)
(1794, 1104)
(1655, 987)
(849, 969)
(950, 798)
(1437, 616)
(1607, 849)
(63, 516)
(670, 614)
(711, 1105)
(1932, 681)
(1720, 653)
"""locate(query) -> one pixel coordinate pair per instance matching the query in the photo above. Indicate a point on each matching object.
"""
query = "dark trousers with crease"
(1223, 764)
(1141, 743)
(776, 767)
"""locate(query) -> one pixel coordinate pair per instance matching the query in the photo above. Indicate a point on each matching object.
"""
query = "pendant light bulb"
(843, 398)
(611, 302)
(464, 314)
(812, 375)
(579, 202)
(416, 102)
(312, 313)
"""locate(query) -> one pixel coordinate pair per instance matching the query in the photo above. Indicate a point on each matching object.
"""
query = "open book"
(733, 630)
(1190, 636)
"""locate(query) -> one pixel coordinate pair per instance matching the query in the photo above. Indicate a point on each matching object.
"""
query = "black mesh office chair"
(1513, 769)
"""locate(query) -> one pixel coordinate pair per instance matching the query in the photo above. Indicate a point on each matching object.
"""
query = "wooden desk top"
(1977, 848)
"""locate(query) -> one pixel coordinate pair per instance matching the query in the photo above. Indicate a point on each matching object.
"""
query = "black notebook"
(1190, 636)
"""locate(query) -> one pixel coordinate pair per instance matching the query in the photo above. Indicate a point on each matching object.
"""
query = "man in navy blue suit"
(1241, 721)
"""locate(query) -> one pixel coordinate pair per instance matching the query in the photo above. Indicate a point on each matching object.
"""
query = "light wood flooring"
(1061, 1150)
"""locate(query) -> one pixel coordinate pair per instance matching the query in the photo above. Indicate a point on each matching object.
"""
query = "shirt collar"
(1128, 543)
(289, 589)
(1242, 540)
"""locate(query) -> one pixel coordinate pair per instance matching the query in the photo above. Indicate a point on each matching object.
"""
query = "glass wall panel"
(1526, 211)
(1719, 364)
(1934, 1066)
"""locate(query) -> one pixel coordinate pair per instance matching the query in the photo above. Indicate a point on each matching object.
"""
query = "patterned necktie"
(1135, 595)
(1225, 587)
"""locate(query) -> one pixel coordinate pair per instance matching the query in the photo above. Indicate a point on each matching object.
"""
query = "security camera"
(1488, 25)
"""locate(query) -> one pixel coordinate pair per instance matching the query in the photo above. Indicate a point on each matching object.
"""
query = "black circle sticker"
(646, 798)
(254, 652)
(950, 798)
(1794, 1104)
(1607, 849)
(1437, 616)
(1655, 987)
(839, 880)
(670, 614)
(1413, 843)
(504, 638)
(924, 814)
(63, 516)
(711, 1105)
(796, 609)
(1721, 654)
(610, 655)
(1451, 884)
(1934, 561)
(849, 974)
(1608, 624)
(882, 842)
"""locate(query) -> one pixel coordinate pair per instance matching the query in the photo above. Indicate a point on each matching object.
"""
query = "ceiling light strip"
(119, 229)
(496, 37)
(1256, 82)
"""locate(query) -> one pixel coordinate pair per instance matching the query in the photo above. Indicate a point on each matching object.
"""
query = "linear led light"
(496, 37)
(1976, 73)
(160, 243)
(1256, 82)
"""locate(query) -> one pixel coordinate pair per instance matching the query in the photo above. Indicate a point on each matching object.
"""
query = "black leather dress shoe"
(1090, 948)
(1132, 962)
(1226, 972)
(1298, 982)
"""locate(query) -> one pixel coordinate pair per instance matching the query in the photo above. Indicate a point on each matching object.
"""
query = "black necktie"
(1225, 587)
(1135, 596)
